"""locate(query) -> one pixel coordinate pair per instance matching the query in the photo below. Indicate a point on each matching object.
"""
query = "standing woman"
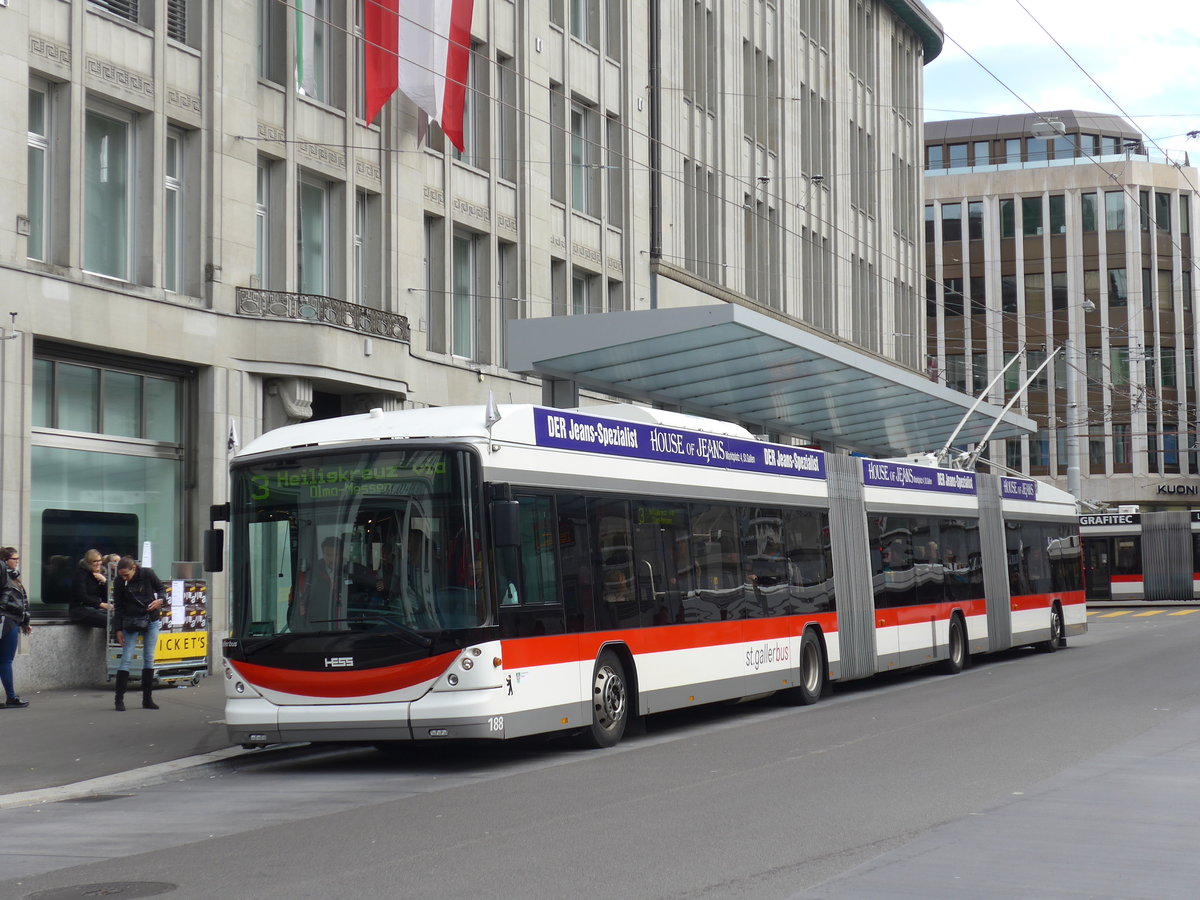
(137, 596)
(14, 618)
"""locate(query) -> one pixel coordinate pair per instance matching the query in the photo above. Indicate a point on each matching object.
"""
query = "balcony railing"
(325, 310)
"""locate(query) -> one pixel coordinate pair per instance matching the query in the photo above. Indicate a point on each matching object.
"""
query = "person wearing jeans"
(137, 598)
(14, 619)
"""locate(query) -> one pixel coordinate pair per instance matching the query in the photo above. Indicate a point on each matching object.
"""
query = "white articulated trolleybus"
(480, 573)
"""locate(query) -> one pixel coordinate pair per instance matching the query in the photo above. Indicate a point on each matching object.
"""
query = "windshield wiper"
(405, 631)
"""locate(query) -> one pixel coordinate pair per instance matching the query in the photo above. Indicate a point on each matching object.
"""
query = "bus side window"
(537, 572)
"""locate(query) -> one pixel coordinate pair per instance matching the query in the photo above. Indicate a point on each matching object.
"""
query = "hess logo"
(339, 662)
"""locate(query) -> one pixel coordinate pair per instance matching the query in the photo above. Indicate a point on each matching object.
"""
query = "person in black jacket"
(137, 598)
(14, 619)
(89, 593)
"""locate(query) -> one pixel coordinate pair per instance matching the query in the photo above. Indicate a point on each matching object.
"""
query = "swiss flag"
(422, 47)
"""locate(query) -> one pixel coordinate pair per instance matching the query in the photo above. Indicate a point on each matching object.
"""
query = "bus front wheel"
(609, 702)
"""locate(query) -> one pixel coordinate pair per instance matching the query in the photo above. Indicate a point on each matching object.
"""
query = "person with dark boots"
(137, 598)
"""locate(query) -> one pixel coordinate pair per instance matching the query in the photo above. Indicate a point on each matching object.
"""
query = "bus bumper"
(460, 715)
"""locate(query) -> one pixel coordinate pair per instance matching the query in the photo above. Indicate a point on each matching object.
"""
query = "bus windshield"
(381, 540)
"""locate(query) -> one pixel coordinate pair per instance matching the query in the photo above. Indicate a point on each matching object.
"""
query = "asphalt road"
(867, 794)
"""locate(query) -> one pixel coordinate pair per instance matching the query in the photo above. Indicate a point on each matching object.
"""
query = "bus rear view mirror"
(506, 523)
(214, 550)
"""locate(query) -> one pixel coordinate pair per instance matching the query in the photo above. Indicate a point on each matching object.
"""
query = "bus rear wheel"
(609, 701)
(812, 672)
(957, 657)
(1056, 632)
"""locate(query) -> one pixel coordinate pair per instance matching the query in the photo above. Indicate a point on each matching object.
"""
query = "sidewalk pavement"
(67, 736)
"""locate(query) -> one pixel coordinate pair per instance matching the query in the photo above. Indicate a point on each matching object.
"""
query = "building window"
(368, 255)
(312, 237)
(1035, 293)
(1008, 293)
(951, 222)
(1118, 288)
(558, 287)
(173, 208)
(1058, 290)
(37, 204)
(585, 23)
(124, 9)
(586, 294)
(475, 113)
(509, 142)
(934, 157)
(981, 151)
(1096, 458)
(978, 295)
(262, 226)
(271, 43)
(1162, 212)
(107, 179)
(958, 156)
(930, 223)
(1012, 454)
(177, 20)
(1008, 218)
(584, 161)
(1033, 363)
(116, 480)
(1031, 216)
(1087, 212)
(956, 372)
(1037, 149)
(1012, 150)
(558, 144)
(1122, 444)
(465, 281)
(614, 32)
(615, 150)
(952, 293)
(975, 220)
(312, 49)
(1144, 210)
(1118, 365)
(1114, 210)
(1058, 214)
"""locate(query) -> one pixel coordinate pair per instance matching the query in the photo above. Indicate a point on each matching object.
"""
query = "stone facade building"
(196, 249)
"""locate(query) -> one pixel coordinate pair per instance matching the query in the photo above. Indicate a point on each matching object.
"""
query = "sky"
(1143, 55)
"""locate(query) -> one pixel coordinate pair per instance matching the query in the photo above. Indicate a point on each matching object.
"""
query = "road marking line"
(1184, 612)
(1113, 615)
(1153, 612)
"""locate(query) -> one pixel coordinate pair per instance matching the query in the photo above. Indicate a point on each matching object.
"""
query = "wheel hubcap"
(812, 672)
(609, 699)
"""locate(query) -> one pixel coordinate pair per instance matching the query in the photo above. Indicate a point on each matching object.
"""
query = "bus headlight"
(467, 663)
(452, 679)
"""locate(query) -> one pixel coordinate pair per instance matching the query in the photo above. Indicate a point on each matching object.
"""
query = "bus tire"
(609, 702)
(1056, 632)
(812, 672)
(957, 658)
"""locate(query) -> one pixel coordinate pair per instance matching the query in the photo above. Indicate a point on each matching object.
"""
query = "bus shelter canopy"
(730, 362)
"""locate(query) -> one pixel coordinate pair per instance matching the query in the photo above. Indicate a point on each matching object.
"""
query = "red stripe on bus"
(358, 683)
(1044, 601)
(1127, 579)
(542, 651)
